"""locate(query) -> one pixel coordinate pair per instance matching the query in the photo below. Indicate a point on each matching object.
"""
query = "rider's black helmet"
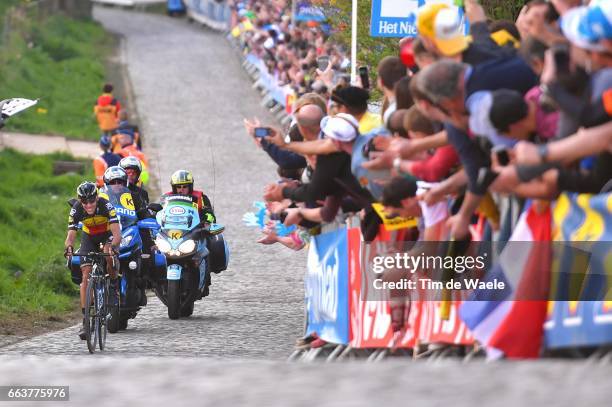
(87, 190)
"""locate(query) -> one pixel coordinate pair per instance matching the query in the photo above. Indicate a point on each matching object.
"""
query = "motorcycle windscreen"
(121, 198)
(178, 215)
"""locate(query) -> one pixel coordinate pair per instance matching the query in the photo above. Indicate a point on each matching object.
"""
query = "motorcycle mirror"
(216, 229)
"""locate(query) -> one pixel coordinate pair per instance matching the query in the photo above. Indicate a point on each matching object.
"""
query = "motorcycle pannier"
(219, 253)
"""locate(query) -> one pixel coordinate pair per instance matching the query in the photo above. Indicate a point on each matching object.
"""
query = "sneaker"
(82, 333)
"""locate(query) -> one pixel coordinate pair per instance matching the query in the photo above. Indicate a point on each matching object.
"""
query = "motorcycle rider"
(133, 169)
(182, 184)
(100, 226)
(117, 175)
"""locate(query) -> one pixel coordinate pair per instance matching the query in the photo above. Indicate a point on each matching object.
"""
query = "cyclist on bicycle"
(100, 226)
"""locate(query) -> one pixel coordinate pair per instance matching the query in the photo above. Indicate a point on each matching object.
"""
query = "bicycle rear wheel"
(102, 311)
(90, 315)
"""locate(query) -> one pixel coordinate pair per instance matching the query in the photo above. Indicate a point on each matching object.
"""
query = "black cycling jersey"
(140, 196)
(96, 224)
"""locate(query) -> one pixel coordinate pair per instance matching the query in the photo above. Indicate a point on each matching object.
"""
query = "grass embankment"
(34, 282)
(62, 62)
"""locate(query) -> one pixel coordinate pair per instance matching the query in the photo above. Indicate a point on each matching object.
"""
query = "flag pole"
(354, 42)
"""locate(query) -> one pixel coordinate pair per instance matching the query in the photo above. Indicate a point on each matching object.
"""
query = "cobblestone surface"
(210, 382)
(191, 94)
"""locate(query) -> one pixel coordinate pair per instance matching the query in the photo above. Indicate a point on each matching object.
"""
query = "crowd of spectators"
(513, 112)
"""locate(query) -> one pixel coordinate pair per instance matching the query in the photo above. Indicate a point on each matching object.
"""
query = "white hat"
(586, 26)
(448, 32)
(342, 127)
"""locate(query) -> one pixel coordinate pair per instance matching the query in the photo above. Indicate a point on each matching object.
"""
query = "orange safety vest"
(133, 150)
(106, 110)
(100, 166)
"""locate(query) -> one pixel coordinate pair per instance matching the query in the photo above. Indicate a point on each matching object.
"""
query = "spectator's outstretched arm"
(584, 143)
(403, 148)
(283, 158)
(314, 147)
(449, 186)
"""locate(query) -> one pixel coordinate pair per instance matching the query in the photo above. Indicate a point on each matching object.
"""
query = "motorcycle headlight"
(163, 245)
(125, 241)
(187, 246)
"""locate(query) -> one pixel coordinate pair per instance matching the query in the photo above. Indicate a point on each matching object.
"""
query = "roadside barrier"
(214, 14)
(353, 323)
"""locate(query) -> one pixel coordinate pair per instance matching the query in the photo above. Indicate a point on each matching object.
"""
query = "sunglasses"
(86, 201)
(116, 182)
(182, 187)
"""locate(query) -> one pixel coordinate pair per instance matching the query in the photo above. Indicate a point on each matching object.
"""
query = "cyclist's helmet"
(131, 162)
(115, 175)
(181, 177)
(87, 191)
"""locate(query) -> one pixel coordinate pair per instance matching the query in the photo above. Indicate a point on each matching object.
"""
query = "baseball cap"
(341, 127)
(585, 26)
(448, 32)
(426, 16)
(351, 96)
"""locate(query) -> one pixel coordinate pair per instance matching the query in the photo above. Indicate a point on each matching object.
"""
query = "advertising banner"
(397, 18)
(371, 320)
(326, 287)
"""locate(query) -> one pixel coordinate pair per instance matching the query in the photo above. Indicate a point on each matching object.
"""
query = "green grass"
(33, 219)
(60, 61)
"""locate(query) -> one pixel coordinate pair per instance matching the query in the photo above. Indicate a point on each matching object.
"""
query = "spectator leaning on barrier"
(522, 117)
(431, 167)
(441, 31)
(457, 89)
(576, 78)
(106, 110)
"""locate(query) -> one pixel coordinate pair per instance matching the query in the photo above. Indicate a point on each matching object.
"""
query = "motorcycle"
(131, 287)
(185, 242)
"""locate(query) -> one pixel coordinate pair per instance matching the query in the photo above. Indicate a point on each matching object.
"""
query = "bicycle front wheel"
(90, 315)
(102, 311)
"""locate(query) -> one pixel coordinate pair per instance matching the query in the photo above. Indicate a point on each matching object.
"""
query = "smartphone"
(262, 132)
(365, 78)
(323, 62)
(502, 156)
(562, 59)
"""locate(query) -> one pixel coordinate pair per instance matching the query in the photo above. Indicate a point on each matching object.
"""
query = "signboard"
(326, 287)
(397, 18)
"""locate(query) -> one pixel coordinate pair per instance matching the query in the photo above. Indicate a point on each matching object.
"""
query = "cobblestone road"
(191, 95)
